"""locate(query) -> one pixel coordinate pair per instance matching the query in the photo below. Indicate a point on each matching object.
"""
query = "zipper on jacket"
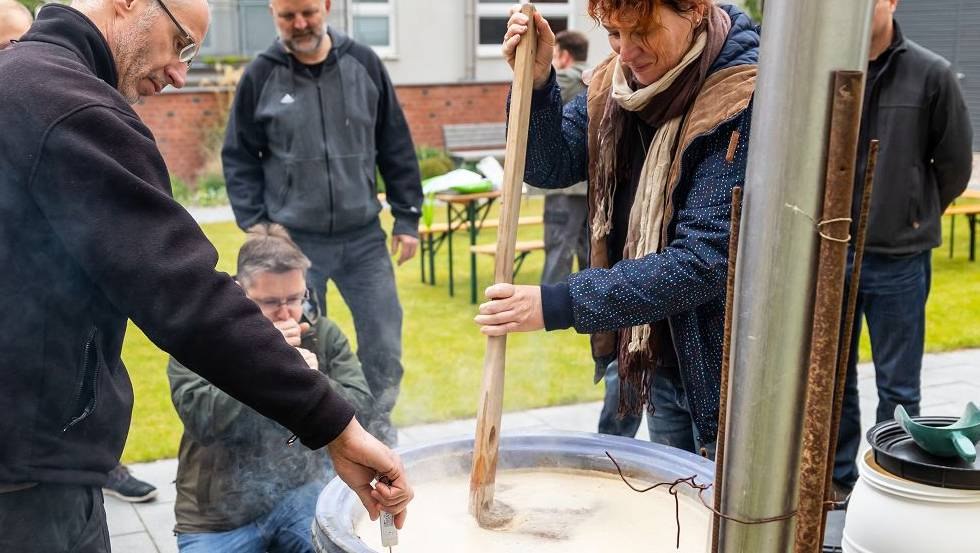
(326, 153)
(90, 406)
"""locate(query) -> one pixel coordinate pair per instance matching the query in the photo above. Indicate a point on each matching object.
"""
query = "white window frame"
(376, 9)
(499, 9)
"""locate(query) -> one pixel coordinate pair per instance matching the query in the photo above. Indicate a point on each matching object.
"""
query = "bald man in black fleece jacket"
(90, 237)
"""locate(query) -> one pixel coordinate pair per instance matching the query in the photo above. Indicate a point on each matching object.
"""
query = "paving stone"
(158, 518)
(579, 418)
(121, 517)
(161, 474)
(132, 543)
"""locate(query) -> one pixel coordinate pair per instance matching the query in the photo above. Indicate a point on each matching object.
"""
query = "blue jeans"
(287, 528)
(892, 298)
(360, 266)
(670, 422)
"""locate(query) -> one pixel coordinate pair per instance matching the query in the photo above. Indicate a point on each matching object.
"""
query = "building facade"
(443, 57)
(951, 28)
(421, 42)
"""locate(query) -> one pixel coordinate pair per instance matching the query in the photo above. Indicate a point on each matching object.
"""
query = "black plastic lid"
(895, 452)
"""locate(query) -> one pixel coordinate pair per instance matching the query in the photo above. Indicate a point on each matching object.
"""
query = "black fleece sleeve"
(101, 184)
(241, 156)
(396, 159)
(950, 138)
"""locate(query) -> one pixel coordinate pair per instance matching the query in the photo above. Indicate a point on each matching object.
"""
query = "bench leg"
(952, 233)
(973, 237)
(518, 262)
(471, 217)
(432, 260)
(422, 259)
(449, 238)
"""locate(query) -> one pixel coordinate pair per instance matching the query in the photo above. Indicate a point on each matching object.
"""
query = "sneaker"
(121, 484)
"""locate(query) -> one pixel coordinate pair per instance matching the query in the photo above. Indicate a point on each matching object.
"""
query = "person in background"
(914, 106)
(566, 210)
(238, 487)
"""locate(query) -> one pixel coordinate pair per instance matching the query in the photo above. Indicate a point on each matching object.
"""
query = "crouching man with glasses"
(239, 487)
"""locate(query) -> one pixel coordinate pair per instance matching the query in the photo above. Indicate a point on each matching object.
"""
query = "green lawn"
(443, 351)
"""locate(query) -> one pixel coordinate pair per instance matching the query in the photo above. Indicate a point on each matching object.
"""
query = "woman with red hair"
(662, 136)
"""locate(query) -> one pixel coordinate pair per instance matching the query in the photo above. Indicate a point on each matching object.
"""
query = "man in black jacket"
(90, 238)
(313, 116)
(914, 106)
(15, 19)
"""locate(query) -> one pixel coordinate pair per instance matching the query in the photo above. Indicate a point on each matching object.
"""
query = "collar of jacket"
(69, 28)
(896, 48)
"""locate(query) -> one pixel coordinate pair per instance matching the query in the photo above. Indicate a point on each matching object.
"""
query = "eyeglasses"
(185, 54)
(292, 302)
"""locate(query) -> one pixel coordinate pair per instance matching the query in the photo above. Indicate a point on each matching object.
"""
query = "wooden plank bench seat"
(969, 209)
(526, 246)
(972, 213)
(521, 250)
(470, 142)
(439, 228)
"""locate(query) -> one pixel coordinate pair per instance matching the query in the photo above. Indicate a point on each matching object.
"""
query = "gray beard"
(291, 46)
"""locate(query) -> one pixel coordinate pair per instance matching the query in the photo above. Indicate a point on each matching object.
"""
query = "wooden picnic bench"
(521, 250)
(971, 211)
(471, 142)
(432, 238)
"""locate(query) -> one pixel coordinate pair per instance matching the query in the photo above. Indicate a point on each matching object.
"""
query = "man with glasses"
(15, 19)
(314, 116)
(90, 237)
(228, 452)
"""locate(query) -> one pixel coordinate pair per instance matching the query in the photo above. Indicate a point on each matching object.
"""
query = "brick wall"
(181, 121)
(428, 108)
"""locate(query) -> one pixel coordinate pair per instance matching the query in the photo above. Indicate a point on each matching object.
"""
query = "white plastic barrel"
(888, 514)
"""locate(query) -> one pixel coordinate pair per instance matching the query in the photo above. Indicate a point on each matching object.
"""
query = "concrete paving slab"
(139, 542)
(161, 474)
(121, 517)
(581, 417)
(159, 520)
(214, 214)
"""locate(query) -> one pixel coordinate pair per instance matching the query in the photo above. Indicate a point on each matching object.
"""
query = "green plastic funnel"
(957, 439)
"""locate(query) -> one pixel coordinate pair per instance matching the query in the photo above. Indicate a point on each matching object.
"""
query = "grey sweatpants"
(566, 236)
(361, 268)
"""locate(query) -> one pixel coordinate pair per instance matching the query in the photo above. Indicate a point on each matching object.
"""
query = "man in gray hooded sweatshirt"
(313, 116)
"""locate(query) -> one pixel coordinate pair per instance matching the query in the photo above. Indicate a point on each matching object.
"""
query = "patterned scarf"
(661, 105)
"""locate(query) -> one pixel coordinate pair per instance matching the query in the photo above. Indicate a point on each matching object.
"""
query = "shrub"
(211, 190)
(180, 190)
(434, 166)
(433, 161)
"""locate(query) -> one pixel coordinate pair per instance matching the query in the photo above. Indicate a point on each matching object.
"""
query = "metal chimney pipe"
(802, 44)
